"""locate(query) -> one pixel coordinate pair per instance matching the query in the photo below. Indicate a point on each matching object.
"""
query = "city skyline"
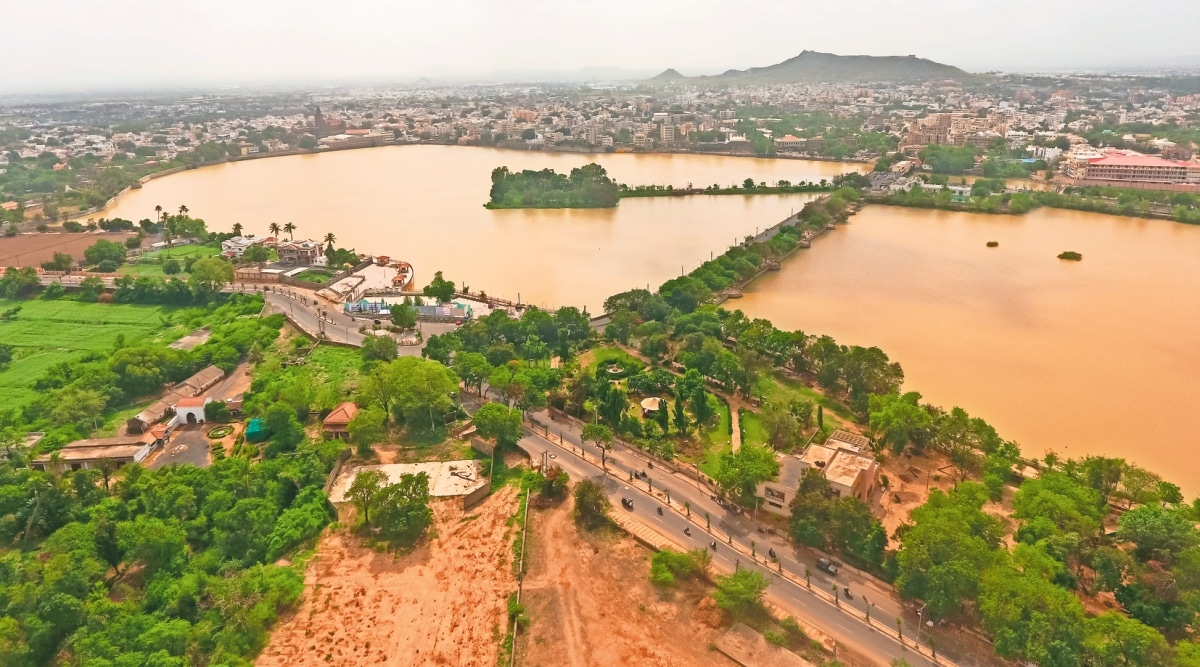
(106, 45)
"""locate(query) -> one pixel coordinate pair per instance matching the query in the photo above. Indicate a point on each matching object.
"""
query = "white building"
(190, 410)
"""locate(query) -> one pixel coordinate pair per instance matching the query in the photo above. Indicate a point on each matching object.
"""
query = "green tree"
(90, 289)
(1157, 533)
(286, 431)
(473, 369)
(599, 434)
(742, 591)
(440, 288)
(367, 428)
(897, 417)
(379, 348)
(61, 262)
(404, 315)
(949, 541)
(423, 387)
(738, 474)
(364, 492)
(499, 422)
(209, 275)
(103, 250)
(1031, 619)
(1115, 640)
(591, 504)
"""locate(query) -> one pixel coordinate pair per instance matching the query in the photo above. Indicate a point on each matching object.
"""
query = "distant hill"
(668, 76)
(812, 67)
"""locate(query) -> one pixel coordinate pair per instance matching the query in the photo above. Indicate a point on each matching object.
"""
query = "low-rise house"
(337, 423)
(846, 462)
(92, 453)
(777, 495)
(190, 410)
(193, 386)
(236, 246)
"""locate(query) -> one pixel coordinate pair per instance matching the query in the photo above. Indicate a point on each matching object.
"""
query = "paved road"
(189, 444)
(316, 316)
(877, 643)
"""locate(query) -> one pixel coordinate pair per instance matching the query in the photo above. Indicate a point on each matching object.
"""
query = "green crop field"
(44, 333)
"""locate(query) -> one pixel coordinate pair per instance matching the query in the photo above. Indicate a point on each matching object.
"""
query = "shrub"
(1070, 255)
(107, 266)
(776, 637)
(171, 267)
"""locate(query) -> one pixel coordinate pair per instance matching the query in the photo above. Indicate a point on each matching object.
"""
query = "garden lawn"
(44, 333)
(603, 356)
(150, 264)
(753, 431)
(782, 391)
(716, 441)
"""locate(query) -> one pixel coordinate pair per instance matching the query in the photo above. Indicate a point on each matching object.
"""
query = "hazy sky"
(73, 44)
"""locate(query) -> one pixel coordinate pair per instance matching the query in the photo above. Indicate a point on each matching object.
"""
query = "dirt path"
(591, 604)
(443, 604)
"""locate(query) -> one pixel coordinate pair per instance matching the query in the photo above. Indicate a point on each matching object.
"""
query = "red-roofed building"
(337, 424)
(1136, 168)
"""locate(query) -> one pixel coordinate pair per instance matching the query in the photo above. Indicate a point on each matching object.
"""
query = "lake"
(1094, 357)
(424, 204)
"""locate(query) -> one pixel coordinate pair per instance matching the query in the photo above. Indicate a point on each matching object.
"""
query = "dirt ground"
(33, 249)
(591, 603)
(443, 604)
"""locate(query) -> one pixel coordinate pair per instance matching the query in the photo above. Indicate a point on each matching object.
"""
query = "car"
(827, 565)
(627, 503)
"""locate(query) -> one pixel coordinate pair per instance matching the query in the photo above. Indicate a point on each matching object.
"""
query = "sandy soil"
(591, 603)
(443, 604)
(33, 249)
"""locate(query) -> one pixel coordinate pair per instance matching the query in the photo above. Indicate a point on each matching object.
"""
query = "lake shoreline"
(292, 152)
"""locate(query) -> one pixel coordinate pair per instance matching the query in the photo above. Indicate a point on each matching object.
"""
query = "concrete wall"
(477, 496)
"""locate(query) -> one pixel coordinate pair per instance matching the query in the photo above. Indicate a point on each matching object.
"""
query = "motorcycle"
(848, 594)
(713, 544)
(660, 511)
(771, 553)
(687, 531)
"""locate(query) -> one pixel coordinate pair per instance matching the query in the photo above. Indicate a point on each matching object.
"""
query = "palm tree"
(159, 211)
(274, 228)
(290, 228)
(237, 229)
(330, 239)
(183, 210)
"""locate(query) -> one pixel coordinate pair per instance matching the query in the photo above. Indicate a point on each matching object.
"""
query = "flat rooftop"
(446, 478)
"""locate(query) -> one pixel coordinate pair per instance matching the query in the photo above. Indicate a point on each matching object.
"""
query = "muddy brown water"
(424, 204)
(1100, 356)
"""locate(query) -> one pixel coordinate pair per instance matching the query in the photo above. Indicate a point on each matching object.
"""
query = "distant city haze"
(69, 45)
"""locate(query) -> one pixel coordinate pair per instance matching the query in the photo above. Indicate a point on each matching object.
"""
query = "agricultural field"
(44, 333)
(33, 249)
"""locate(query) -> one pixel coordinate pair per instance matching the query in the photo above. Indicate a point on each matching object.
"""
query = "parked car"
(827, 565)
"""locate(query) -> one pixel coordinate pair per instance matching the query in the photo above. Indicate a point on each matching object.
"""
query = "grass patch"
(603, 356)
(782, 391)
(716, 441)
(150, 264)
(753, 431)
(319, 277)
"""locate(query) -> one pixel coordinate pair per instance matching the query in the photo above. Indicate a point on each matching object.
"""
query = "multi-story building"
(1136, 168)
(300, 253)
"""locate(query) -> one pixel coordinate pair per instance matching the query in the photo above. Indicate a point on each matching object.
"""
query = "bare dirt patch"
(442, 604)
(590, 602)
(33, 249)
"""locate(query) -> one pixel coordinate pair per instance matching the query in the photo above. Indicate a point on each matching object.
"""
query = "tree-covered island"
(586, 187)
